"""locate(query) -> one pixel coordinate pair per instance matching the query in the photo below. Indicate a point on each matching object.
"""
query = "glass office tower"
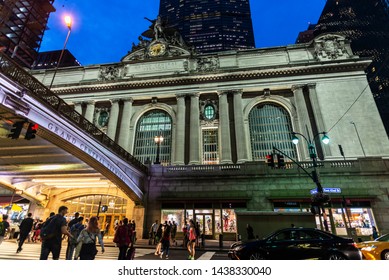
(211, 25)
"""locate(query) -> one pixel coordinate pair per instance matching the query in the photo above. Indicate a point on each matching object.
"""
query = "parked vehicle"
(377, 249)
(297, 244)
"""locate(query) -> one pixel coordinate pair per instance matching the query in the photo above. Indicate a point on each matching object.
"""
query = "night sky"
(104, 33)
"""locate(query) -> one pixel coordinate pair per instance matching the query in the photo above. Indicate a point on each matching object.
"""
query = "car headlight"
(369, 248)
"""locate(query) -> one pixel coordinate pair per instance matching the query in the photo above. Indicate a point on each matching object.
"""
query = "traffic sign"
(327, 190)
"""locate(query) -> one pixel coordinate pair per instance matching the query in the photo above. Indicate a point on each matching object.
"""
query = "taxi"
(377, 249)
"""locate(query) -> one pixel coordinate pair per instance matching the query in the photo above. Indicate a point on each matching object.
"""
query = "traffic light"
(31, 130)
(16, 130)
(270, 160)
(280, 160)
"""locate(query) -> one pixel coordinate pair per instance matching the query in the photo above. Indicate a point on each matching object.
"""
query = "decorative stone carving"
(331, 47)
(207, 64)
(209, 110)
(109, 73)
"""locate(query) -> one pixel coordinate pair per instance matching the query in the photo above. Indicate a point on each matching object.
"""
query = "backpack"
(48, 230)
(2, 229)
(75, 232)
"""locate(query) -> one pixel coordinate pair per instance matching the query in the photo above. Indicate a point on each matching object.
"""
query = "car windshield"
(383, 238)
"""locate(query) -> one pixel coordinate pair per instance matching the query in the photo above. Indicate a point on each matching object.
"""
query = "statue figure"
(157, 27)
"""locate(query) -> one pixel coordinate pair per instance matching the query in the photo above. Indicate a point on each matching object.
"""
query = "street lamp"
(68, 22)
(158, 140)
(319, 198)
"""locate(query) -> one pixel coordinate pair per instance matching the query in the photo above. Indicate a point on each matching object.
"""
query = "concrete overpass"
(68, 150)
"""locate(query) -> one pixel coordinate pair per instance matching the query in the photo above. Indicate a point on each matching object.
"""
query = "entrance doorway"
(206, 224)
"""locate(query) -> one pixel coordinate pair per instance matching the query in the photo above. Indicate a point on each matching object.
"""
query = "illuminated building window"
(151, 124)
(270, 125)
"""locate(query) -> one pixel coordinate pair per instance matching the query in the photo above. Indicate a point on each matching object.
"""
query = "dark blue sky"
(103, 31)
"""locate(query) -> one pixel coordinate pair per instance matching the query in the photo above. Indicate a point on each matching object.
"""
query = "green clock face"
(157, 49)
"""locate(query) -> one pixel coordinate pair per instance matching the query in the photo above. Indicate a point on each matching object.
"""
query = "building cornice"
(239, 75)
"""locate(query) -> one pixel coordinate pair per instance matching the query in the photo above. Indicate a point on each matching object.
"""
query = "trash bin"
(221, 240)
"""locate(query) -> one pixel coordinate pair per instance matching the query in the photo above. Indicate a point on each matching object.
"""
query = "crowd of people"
(82, 236)
(164, 235)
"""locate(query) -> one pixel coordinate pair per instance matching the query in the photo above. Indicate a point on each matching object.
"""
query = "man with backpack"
(25, 228)
(75, 230)
(51, 234)
(4, 226)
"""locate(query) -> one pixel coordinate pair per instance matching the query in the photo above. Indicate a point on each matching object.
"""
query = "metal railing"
(39, 91)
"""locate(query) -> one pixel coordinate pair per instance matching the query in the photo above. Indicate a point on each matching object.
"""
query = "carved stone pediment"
(206, 64)
(110, 72)
(331, 47)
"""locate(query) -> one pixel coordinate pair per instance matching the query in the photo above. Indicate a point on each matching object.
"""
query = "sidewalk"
(210, 245)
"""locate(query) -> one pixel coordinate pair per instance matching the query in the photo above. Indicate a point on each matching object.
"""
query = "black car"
(296, 244)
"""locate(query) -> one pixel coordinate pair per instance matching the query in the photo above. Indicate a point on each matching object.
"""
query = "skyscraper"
(366, 25)
(22, 24)
(211, 25)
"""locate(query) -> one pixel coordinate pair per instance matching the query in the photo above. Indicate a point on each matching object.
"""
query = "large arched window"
(270, 126)
(153, 123)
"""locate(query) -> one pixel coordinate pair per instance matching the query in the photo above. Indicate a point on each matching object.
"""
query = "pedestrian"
(250, 232)
(185, 237)
(153, 231)
(87, 240)
(165, 241)
(158, 239)
(74, 221)
(75, 231)
(192, 240)
(51, 234)
(4, 227)
(375, 233)
(37, 231)
(198, 234)
(122, 238)
(25, 228)
(173, 233)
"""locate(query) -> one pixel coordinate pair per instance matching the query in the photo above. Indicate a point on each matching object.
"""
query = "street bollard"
(220, 240)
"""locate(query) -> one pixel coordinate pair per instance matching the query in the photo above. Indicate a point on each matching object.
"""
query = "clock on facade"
(157, 49)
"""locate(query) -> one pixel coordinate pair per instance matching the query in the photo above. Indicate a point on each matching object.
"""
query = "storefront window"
(229, 220)
(176, 215)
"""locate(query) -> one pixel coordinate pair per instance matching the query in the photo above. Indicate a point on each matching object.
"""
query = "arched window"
(270, 125)
(153, 123)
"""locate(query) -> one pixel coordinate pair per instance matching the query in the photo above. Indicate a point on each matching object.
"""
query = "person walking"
(4, 227)
(75, 231)
(158, 239)
(192, 240)
(250, 232)
(153, 231)
(51, 234)
(375, 233)
(25, 228)
(123, 239)
(173, 233)
(165, 241)
(87, 240)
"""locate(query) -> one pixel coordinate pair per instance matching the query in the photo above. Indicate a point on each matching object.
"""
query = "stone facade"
(321, 85)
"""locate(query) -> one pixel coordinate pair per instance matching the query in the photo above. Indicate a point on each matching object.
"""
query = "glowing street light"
(68, 22)
(158, 140)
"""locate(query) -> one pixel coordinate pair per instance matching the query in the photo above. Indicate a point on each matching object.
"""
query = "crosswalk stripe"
(206, 256)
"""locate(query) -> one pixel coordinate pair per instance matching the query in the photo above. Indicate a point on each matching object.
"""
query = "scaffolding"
(22, 25)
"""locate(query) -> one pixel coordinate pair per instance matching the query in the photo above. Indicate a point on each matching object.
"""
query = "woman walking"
(165, 241)
(192, 240)
(158, 240)
(87, 240)
(123, 238)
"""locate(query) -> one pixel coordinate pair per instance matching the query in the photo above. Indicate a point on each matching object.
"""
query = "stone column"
(124, 132)
(180, 131)
(240, 134)
(113, 119)
(90, 111)
(194, 152)
(302, 119)
(224, 119)
(78, 107)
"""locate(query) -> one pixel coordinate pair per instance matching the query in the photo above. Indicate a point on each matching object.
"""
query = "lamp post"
(359, 138)
(68, 22)
(158, 140)
(319, 198)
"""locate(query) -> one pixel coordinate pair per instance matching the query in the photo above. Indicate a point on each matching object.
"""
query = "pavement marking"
(206, 256)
